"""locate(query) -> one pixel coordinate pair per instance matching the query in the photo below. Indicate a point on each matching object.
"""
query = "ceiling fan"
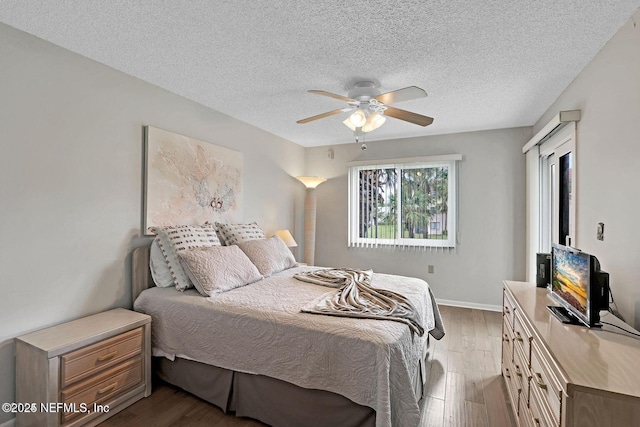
(370, 107)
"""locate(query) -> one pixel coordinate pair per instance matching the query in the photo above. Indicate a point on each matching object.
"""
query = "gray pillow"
(178, 238)
(160, 272)
(270, 255)
(218, 269)
(236, 233)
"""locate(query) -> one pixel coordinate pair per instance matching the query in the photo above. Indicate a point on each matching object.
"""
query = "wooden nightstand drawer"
(87, 361)
(104, 387)
(103, 359)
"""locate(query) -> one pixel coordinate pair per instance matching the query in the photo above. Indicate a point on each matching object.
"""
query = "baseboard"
(463, 304)
(10, 423)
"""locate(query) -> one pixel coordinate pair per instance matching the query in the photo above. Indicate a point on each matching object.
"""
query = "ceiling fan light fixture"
(358, 118)
(372, 108)
(348, 124)
(374, 121)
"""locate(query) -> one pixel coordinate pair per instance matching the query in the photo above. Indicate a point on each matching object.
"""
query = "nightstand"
(82, 372)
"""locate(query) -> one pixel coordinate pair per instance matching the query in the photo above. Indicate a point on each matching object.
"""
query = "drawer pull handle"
(518, 371)
(108, 388)
(539, 381)
(519, 337)
(506, 310)
(108, 356)
(506, 373)
(505, 337)
(536, 421)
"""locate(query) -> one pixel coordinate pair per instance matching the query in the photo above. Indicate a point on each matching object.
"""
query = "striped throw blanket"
(357, 298)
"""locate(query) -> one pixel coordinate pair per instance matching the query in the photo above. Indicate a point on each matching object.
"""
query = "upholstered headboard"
(140, 274)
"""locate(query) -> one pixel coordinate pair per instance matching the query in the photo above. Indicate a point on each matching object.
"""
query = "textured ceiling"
(486, 64)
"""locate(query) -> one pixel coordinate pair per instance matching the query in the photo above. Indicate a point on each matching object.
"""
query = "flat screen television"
(578, 285)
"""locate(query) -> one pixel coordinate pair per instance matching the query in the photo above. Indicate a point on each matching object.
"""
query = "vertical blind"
(403, 203)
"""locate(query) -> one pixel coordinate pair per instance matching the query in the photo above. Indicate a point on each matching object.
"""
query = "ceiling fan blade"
(408, 116)
(323, 115)
(332, 95)
(406, 94)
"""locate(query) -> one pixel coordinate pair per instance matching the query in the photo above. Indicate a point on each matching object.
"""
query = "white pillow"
(159, 268)
(270, 255)
(218, 269)
(178, 238)
(236, 233)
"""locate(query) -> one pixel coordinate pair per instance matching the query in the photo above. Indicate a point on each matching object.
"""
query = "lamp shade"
(288, 239)
(373, 122)
(358, 118)
(311, 181)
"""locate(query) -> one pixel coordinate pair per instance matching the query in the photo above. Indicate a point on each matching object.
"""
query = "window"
(551, 187)
(403, 203)
(557, 190)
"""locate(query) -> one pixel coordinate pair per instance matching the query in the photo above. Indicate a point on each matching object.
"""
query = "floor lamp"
(311, 182)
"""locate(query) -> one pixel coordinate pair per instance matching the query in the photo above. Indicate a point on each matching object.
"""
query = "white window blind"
(403, 202)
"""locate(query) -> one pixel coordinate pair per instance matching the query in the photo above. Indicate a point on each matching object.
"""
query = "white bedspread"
(259, 329)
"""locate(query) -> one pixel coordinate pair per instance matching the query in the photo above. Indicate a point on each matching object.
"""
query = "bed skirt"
(272, 401)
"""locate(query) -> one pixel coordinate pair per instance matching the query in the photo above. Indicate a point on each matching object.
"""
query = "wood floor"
(464, 388)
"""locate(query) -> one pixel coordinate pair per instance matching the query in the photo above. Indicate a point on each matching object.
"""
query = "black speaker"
(543, 270)
(602, 280)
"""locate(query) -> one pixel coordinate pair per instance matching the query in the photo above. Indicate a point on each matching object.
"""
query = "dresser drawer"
(521, 374)
(507, 342)
(524, 415)
(508, 308)
(89, 360)
(538, 415)
(102, 388)
(522, 337)
(513, 387)
(546, 385)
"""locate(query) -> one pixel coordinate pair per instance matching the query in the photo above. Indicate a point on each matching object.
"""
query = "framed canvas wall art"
(189, 182)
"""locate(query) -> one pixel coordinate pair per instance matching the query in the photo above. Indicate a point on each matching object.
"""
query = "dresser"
(566, 375)
(84, 371)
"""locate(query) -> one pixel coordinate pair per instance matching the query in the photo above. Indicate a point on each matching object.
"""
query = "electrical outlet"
(430, 269)
(600, 231)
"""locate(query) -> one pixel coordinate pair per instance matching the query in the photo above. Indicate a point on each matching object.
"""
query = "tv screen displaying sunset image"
(570, 279)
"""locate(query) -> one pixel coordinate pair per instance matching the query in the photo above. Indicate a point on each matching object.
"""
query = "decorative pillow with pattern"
(232, 234)
(218, 269)
(158, 265)
(178, 238)
(270, 255)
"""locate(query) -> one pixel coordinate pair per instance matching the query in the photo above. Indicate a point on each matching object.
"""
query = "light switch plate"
(600, 231)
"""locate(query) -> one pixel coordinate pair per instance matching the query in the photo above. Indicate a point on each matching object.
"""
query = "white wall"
(71, 182)
(608, 161)
(491, 221)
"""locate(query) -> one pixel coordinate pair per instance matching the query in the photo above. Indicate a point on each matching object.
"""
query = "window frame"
(564, 121)
(551, 151)
(354, 239)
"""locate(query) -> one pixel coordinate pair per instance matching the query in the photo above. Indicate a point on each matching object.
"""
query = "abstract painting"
(190, 182)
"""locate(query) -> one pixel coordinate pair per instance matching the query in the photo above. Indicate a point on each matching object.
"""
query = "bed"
(252, 351)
